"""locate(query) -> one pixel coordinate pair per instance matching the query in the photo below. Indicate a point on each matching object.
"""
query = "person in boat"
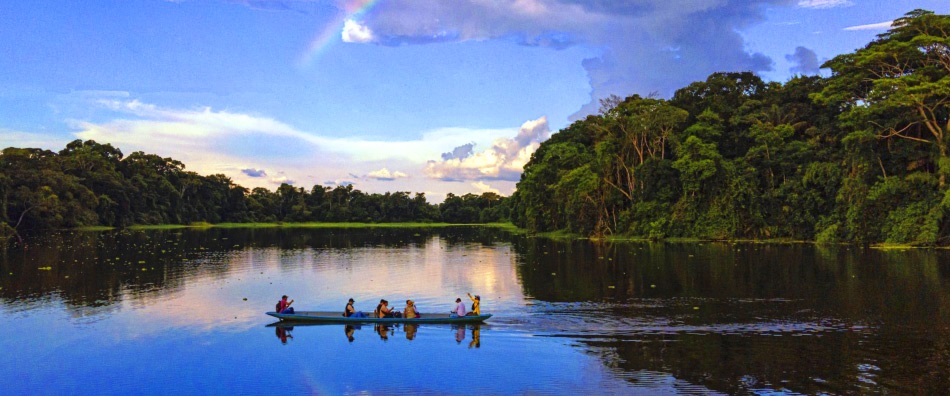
(459, 308)
(383, 310)
(349, 311)
(410, 312)
(476, 304)
(284, 307)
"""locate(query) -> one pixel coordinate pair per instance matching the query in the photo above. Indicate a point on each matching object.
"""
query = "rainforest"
(859, 155)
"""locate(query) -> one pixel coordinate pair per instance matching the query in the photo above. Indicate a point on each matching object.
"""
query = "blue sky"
(422, 96)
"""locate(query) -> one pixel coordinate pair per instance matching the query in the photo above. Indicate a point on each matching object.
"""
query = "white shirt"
(460, 309)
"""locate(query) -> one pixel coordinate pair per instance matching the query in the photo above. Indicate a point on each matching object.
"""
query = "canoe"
(337, 317)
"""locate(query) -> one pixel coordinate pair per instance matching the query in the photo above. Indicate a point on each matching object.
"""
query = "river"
(182, 312)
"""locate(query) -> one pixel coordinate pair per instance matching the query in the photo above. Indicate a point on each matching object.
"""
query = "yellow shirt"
(476, 308)
(410, 312)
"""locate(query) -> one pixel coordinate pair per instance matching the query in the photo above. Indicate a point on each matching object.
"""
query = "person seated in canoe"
(284, 307)
(476, 305)
(383, 310)
(410, 312)
(459, 308)
(349, 311)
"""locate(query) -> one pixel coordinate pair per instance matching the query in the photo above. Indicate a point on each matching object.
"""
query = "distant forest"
(92, 184)
(860, 156)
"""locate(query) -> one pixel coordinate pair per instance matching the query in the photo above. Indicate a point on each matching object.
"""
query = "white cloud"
(825, 3)
(385, 174)
(213, 141)
(504, 160)
(872, 26)
(630, 40)
(281, 180)
(484, 187)
(354, 32)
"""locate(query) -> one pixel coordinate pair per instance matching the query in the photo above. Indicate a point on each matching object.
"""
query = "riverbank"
(508, 226)
(555, 235)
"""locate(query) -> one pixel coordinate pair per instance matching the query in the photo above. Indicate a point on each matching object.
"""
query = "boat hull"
(336, 317)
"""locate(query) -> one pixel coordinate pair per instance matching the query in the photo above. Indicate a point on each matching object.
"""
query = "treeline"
(860, 156)
(90, 184)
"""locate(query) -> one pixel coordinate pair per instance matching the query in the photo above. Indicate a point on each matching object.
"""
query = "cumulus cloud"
(805, 61)
(483, 187)
(281, 180)
(872, 26)
(644, 46)
(504, 160)
(385, 174)
(825, 3)
(213, 141)
(254, 172)
(334, 183)
(354, 32)
(460, 152)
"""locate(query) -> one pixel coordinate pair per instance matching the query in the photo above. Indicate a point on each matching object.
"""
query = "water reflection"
(385, 331)
(283, 333)
(709, 317)
(739, 318)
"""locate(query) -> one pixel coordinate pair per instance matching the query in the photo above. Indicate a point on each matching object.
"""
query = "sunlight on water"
(162, 312)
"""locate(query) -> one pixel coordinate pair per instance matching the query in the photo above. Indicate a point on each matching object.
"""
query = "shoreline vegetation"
(201, 225)
(555, 235)
(860, 157)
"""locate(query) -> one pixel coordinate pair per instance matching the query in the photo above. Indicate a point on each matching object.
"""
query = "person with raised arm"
(476, 304)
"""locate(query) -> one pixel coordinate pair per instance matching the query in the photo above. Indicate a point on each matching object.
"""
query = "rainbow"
(331, 31)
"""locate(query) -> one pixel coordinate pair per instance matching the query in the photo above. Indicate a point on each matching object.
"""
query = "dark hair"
(351, 300)
(284, 297)
(458, 299)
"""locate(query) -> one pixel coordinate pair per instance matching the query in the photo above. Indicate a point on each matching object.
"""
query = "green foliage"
(860, 156)
(91, 184)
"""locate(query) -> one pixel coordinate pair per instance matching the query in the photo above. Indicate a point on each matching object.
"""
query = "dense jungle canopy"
(89, 184)
(859, 156)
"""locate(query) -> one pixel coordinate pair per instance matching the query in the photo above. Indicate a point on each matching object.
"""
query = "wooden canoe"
(337, 317)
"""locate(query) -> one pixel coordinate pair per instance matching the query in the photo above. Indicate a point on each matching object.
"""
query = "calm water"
(182, 312)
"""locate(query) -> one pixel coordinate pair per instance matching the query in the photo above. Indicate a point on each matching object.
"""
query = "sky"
(431, 96)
